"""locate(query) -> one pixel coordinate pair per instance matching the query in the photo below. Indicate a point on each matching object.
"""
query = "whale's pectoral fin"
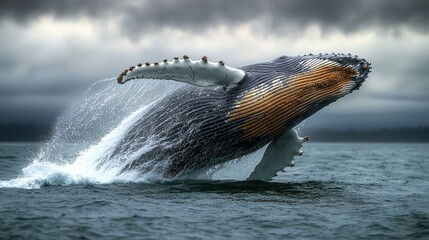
(279, 154)
(200, 73)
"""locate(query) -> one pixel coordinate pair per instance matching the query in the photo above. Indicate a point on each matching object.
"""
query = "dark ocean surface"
(335, 191)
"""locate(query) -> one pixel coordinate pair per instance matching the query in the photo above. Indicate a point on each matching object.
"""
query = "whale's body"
(199, 127)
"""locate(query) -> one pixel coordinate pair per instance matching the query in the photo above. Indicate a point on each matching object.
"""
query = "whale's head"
(326, 78)
(299, 87)
(356, 71)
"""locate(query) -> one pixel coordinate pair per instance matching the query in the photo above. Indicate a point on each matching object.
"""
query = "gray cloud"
(23, 11)
(39, 76)
(286, 17)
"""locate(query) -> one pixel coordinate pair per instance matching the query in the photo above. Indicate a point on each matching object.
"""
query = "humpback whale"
(224, 112)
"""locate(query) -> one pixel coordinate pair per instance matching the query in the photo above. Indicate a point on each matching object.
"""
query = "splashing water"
(87, 133)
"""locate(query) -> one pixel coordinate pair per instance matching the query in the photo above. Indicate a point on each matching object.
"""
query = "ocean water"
(335, 190)
(73, 187)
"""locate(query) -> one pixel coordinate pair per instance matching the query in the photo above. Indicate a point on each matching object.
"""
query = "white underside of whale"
(200, 73)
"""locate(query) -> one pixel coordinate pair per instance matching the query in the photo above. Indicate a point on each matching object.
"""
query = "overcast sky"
(52, 50)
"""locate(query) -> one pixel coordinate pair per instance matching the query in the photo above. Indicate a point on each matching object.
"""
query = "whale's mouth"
(363, 71)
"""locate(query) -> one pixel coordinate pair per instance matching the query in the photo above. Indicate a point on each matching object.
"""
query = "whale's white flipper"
(279, 154)
(200, 73)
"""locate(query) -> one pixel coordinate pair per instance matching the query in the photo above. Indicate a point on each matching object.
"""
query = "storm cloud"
(26, 11)
(54, 50)
(138, 17)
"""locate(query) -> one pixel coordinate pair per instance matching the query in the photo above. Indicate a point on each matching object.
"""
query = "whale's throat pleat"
(269, 111)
